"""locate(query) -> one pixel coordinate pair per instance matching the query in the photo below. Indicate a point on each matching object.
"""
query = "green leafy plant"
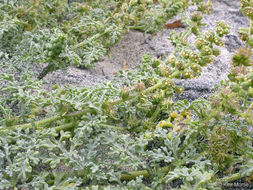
(62, 33)
(130, 133)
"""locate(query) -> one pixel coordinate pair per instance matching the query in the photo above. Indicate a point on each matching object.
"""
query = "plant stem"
(140, 28)
(49, 68)
(69, 126)
(47, 121)
(84, 43)
(231, 178)
(36, 124)
(112, 127)
(65, 127)
(126, 176)
(144, 173)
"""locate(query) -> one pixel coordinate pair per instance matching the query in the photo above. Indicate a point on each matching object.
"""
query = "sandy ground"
(128, 52)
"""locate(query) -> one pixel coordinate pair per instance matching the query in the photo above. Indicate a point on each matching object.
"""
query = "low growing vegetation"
(129, 133)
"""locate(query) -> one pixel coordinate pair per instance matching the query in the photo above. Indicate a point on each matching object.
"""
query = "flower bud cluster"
(193, 57)
(243, 84)
(200, 42)
(169, 83)
(206, 50)
(218, 41)
(206, 8)
(187, 61)
(196, 68)
(175, 122)
(125, 92)
(184, 54)
(246, 3)
(204, 60)
(226, 101)
(242, 57)
(248, 11)
(150, 82)
(163, 124)
(243, 33)
(216, 52)
(205, 43)
(179, 65)
(139, 86)
(179, 89)
(196, 18)
(171, 60)
(222, 28)
(209, 35)
(188, 74)
(164, 70)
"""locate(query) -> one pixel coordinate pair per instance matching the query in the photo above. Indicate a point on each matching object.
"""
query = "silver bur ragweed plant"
(76, 33)
(129, 133)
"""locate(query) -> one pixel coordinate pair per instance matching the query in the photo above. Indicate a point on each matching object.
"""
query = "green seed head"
(179, 89)
(196, 68)
(195, 30)
(209, 36)
(206, 50)
(207, 59)
(139, 86)
(125, 92)
(150, 82)
(169, 83)
(179, 65)
(219, 31)
(188, 74)
(184, 54)
(248, 11)
(164, 70)
(171, 60)
(245, 3)
(218, 41)
(216, 52)
(167, 103)
(200, 42)
(243, 33)
(242, 57)
(196, 17)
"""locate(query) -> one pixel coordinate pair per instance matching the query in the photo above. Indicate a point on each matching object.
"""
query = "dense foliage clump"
(61, 33)
(129, 133)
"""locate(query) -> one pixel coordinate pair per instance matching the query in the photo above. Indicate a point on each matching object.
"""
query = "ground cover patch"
(131, 132)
